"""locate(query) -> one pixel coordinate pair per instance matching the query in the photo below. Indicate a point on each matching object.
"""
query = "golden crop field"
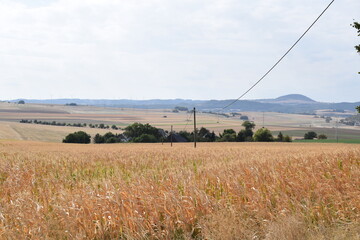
(153, 191)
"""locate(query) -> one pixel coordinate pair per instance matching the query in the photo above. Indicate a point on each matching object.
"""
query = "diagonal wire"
(231, 103)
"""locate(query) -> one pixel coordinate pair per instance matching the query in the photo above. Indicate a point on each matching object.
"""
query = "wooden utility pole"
(336, 133)
(194, 128)
(263, 119)
(171, 135)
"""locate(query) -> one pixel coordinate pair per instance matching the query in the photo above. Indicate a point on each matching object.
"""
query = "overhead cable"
(231, 103)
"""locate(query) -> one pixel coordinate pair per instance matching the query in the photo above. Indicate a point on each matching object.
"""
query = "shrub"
(322, 136)
(287, 138)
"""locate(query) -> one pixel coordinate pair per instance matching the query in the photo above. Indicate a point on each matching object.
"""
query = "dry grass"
(152, 191)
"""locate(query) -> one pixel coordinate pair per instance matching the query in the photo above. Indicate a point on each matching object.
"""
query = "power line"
(280, 58)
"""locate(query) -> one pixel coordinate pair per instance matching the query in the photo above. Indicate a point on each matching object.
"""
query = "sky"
(167, 49)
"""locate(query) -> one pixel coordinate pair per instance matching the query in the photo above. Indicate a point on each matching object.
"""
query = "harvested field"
(152, 191)
(293, 124)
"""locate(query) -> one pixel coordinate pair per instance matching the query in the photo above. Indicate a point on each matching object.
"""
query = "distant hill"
(295, 98)
(292, 103)
(289, 99)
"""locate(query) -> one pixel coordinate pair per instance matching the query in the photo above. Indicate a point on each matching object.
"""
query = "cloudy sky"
(199, 49)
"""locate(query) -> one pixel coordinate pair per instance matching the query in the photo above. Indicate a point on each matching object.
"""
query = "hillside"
(292, 103)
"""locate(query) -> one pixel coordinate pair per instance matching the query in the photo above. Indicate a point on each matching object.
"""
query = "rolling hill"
(292, 103)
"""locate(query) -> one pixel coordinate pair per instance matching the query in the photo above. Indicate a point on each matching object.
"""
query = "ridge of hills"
(292, 103)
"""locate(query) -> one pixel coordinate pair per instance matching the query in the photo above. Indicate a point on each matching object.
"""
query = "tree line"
(145, 133)
(54, 123)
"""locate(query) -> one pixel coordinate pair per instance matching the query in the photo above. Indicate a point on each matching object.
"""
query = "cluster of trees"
(247, 135)
(145, 133)
(312, 135)
(138, 132)
(203, 135)
(104, 126)
(108, 138)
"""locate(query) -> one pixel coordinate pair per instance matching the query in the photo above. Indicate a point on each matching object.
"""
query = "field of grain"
(153, 191)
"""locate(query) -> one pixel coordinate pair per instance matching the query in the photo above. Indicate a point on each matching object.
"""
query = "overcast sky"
(198, 49)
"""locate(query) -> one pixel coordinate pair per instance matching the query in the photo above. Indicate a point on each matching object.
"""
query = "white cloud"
(176, 49)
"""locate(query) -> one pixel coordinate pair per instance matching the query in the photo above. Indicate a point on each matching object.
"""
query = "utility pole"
(194, 128)
(263, 119)
(336, 129)
(171, 135)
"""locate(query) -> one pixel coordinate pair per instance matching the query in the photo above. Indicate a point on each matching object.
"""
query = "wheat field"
(153, 191)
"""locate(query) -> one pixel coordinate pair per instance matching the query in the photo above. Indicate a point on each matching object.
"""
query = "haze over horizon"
(155, 49)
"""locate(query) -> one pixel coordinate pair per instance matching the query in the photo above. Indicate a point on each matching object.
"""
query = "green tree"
(310, 135)
(204, 135)
(77, 137)
(249, 126)
(280, 137)
(99, 139)
(137, 129)
(263, 135)
(356, 25)
(228, 135)
(229, 131)
(203, 131)
(241, 137)
(21, 102)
